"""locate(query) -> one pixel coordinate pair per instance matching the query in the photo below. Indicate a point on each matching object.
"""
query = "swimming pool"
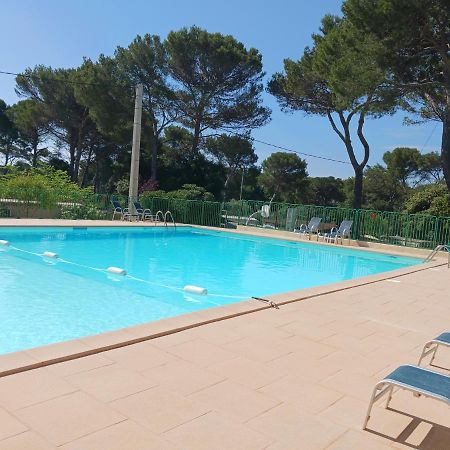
(45, 300)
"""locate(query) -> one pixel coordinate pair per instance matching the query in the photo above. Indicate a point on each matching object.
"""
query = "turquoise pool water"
(43, 300)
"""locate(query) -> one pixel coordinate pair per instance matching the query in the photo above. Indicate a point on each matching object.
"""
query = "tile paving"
(298, 377)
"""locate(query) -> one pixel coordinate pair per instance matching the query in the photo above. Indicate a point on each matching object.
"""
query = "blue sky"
(61, 33)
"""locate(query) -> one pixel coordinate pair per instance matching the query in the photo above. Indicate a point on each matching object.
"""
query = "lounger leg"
(427, 349)
(379, 391)
(422, 354)
(391, 391)
(434, 354)
(369, 409)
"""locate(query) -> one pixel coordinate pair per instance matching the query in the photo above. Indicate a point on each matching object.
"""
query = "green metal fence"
(412, 230)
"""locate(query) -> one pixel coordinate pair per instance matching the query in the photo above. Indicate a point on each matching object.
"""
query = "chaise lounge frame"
(394, 380)
(431, 346)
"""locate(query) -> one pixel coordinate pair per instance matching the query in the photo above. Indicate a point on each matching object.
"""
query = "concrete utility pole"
(135, 149)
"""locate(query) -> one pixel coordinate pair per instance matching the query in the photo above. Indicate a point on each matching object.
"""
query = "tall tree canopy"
(143, 61)
(416, 38)
(32, 125)
(68, 120)
(235, 153)
(325, 191)
(339, 79)
(284, 177)
(403, 163)
(218, 82)
(383, 190)
(9, 135)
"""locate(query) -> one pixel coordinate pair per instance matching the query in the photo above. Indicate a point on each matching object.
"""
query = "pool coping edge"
(99, 343)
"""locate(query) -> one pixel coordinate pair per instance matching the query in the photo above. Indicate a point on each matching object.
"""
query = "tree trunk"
(88, 162)
(72, 147)
(78, 153)
(346, 139)
(96, 180)
(358, 188)
(225, 186)
(7, 153)
(35, 144)
(196, 138)
(154, 149)
(359, 172)
(445, 149)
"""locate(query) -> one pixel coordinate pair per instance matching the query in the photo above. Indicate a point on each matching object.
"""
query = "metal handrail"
(159, 213)
(168, 213)
(441, 247)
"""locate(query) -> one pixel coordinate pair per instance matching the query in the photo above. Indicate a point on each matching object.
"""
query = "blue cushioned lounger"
(418, 380)
(143, 213)
(432, 346)
(118, 210)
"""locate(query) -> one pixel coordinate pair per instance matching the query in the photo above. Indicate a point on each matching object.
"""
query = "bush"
(75, 212)
(432, 199)
(43, 187)
(122, 186)
(192, 192)
(187, 192)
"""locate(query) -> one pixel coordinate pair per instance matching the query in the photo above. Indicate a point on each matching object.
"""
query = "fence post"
(408, 218)
(356, 228)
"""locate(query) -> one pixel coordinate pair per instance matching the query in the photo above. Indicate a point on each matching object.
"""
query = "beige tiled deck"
(298, 377)
(294, 378)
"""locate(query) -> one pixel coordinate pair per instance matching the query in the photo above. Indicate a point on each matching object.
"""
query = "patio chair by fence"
(343, 232)
(310, 228)
(118, 210)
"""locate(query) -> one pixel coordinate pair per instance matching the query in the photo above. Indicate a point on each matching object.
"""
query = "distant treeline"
(202, 99)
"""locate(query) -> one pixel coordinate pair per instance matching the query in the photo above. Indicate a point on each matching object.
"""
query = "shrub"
(432, 199)
(122, 186)
(42, 187)
(74, 212)
(186, 192)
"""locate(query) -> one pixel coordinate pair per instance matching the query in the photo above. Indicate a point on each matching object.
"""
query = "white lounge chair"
(432, 346)
(118, 210)
(310, 228)
(343, 232)
(416, 379)
(144, 214)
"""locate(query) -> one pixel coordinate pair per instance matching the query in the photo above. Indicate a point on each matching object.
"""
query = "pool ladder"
(170, 215)
(161, 217)
(441, 247)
